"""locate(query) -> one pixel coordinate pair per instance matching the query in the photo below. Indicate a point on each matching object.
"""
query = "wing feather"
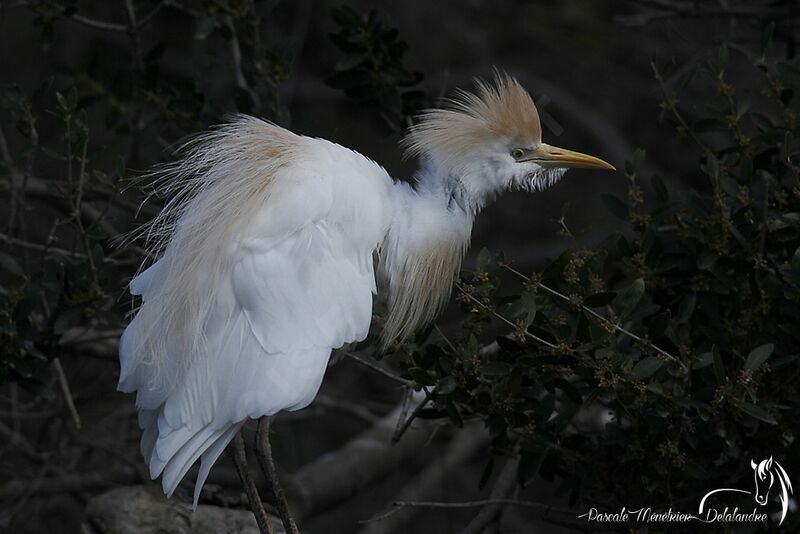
(296, 284)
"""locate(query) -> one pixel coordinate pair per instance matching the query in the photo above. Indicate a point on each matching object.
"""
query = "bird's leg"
(264, 454)
(240, 461)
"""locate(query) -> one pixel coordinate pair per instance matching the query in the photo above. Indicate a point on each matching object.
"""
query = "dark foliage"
(372, 70)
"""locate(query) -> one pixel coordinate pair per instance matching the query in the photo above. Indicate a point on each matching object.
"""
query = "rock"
(138, 510)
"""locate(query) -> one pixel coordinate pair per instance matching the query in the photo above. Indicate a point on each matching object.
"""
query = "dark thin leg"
(240, 460)
(264, 454)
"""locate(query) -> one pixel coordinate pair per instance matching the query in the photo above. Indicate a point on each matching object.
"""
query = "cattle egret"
(265, 260)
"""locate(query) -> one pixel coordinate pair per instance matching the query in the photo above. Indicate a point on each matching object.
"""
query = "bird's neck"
(448, 185)
(422, 252)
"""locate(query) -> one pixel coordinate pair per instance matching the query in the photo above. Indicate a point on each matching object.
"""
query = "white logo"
(766, 472)
(769, 475)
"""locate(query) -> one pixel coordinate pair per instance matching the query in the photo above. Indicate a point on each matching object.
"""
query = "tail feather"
(180, 463)
(209, 457)
(198, 415)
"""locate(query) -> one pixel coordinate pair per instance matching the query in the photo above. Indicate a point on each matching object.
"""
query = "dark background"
(588, 65)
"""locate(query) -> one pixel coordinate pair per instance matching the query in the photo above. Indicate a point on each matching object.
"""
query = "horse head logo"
(766, 473)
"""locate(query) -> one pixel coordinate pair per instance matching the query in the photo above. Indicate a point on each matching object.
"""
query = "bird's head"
(491, 141)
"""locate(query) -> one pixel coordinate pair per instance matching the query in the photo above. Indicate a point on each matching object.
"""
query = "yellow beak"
(551, 156)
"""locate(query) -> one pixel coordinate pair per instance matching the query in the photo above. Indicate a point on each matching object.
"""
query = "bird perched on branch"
(265, 260)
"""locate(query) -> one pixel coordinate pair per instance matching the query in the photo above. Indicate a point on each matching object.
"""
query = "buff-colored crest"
(498, 109)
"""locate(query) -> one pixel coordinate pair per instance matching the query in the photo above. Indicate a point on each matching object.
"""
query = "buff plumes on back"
(221, 181)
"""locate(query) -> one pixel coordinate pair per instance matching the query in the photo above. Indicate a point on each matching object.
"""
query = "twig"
(445, 338)
(133, 31)
(593, 313)
(485, 307)
(113, 27)
(663, 10)
(379, 369)
(147, 18)
(506, 481)
(236, 52)
(351, 408)
(240, 461)
(14, 182)
(99, 24)
(408, 394)
(399, 505)
(69, 483)
(267, 462)
(55, 250)
(32, 487)
(398, 433)
(62, 381)
(430, 481)
(14, 439)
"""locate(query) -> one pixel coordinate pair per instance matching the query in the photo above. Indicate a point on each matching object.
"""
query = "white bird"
(266, 261)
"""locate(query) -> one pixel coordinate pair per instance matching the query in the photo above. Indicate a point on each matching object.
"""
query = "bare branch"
(509, 323)
(401, 429)
(596, 315)
(506, 481)
(133, 31)
(236, 52)
(62, 381)
(663, 9)
(379, 369)
(428, 483)
(334, 477)
(342, 405)
(60, 251)
(99, 24)
(500, 502)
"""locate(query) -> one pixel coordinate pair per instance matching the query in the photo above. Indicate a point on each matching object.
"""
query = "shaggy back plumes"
(420, 288)
(500, 109)
(420, 260)
(221, 181)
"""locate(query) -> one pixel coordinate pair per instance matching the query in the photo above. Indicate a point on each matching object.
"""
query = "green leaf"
(659, 324)
(758, 412)
(569, 389)
(616, 206)
(645, 367)
(9, 264)
(484, 259)
(495, 369)
(686, 308)
(629, 297)
(706, 259)
(662, 194)
(487, 473)
(719, 367)
(600, 299)
(758, 356)
(703, 360)
(525, 305)
(446, 385)
(531, 462)
(66, 320)
(452, 412)
(205, 25)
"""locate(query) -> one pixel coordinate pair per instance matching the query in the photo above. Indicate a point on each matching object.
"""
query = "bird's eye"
(517, 153)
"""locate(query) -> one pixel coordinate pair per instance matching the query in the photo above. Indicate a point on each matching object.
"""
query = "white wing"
(297, 281)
